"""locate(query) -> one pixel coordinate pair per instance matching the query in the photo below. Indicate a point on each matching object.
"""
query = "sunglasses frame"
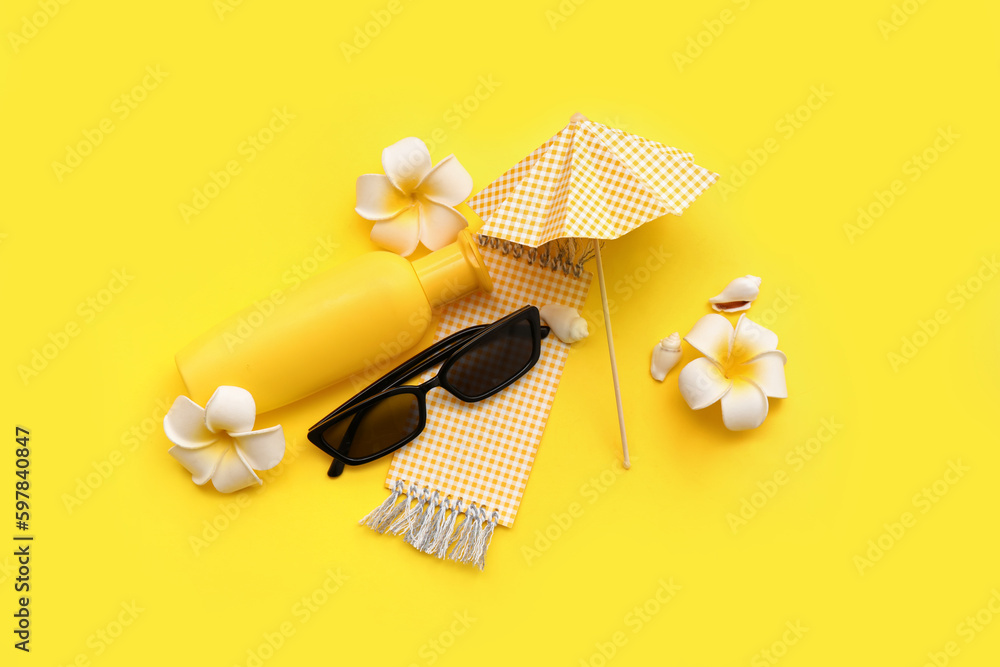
(449, 350)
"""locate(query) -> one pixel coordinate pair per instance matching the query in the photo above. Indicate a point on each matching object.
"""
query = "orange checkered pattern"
(589, 181)
(483, 452)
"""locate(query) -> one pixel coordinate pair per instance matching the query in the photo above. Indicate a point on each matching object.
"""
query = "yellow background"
(840, 302)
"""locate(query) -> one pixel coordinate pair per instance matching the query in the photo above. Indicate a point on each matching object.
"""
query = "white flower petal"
(447, 183)
(767, 371)
(702, 383)
(750, 340)
(230, 409)
(262, 449)
(711, 335)
(401, 234)
(406, 163)
(184, 424)
(201, 463)
(744, 406)
(234, 473)
(439, 224)
(378, 198)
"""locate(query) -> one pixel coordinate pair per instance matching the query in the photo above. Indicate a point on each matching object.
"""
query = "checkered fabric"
(589, 181)
(482, 452)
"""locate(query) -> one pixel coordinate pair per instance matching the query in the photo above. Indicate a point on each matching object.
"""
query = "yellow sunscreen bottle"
(336, 324)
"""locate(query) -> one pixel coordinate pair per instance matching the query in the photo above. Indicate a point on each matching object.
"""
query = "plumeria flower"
(216, 442)
(412, 203)
(741, 367)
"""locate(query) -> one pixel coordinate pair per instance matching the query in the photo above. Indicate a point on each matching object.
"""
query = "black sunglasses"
(478, 362)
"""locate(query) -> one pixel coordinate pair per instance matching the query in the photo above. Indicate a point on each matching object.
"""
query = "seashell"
(565, 323)
(666, 354)
(737, 296)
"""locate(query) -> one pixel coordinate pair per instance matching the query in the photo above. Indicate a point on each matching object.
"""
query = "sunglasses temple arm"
(426, 359)
(336, 468)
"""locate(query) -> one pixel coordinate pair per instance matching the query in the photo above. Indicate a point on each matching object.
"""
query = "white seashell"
(565, 323)
(738, 295)
(666, 354)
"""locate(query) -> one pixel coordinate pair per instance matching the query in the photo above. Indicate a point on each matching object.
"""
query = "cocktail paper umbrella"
(594, 182)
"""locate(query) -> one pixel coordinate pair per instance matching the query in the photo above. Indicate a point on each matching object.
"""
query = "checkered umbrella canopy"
(589, 181)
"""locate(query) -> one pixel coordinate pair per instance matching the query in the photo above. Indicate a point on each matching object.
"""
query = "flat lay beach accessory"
(413, 202)
(305, 346)
(594, 182)
(217, 442)
(476, 363)
(466, 472)
(742, 367)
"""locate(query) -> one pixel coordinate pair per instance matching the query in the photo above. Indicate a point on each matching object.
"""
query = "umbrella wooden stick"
(611, 351)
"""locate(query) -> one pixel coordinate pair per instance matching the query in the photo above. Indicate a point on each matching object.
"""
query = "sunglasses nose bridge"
(430, 384)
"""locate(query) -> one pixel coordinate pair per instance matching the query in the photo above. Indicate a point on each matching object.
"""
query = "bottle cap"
(454, 271)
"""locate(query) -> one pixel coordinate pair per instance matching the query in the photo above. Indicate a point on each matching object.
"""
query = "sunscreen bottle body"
(345, 320)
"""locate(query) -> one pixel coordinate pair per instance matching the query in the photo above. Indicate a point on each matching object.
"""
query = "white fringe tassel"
(377, 517)
(422, 526)
(431, 525)
(406, 519)
(461, 537)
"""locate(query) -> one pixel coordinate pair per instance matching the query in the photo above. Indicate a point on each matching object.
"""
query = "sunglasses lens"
(380, 427)
(494, 361)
